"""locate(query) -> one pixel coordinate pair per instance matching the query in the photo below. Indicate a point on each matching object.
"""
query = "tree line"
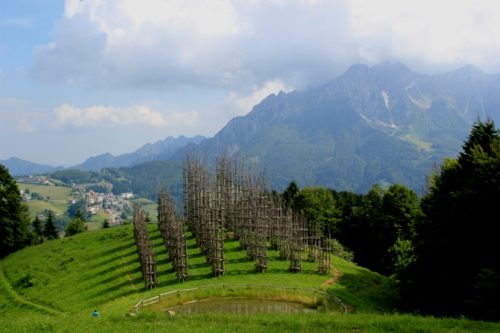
(16, 228)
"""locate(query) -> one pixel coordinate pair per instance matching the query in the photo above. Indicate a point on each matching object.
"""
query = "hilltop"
(56, 285)
(19, 167)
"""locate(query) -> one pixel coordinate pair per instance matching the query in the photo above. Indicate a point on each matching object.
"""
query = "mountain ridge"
(372, 124)
(160, 150)
(21, 167)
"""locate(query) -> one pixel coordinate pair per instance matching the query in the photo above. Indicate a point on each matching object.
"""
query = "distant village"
(116, 207)
(35, 180)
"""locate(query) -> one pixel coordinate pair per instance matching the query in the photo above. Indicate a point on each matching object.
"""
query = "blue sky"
(83, 77)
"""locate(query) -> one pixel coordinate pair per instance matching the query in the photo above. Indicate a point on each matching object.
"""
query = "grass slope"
(56, 285)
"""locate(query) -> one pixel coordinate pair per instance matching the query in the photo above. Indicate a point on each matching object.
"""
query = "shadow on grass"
(155, 237)
(368, 291)
(239, 272)
(279, 270)
(119, 286)
(109, 279)
(113, 268)
(113, 259)
(112, 297)
(196, 255)
(129, 245)
(198, 265)
(174, 281)
(167, 271)
(164, 261)
(234, 249)
(237, 260)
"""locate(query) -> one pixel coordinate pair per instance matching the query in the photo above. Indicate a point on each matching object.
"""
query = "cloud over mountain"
(230, 43)
(106, 116)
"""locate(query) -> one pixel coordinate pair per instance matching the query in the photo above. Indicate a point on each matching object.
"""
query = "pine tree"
(14, 218)
(76, 226)
(38, 230)
(456, 244)
(50, 230)
(290, 194)
(105, 224)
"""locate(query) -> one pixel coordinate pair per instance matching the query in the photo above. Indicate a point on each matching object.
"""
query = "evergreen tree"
(290, 194)
(318, 206)
(80, 215)
(50, 230)
(365, 232)
(14, 217)
(105, 224)
(401, 212)
(38, 230)
(456, 269)
(76, 226)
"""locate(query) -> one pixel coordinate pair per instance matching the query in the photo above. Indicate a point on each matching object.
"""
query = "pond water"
(239, 306)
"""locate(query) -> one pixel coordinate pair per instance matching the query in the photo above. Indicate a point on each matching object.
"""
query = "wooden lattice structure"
(172, 231)
(205, 204)
(144, 249)
(232, 200)
(297, 237)
(324, 256)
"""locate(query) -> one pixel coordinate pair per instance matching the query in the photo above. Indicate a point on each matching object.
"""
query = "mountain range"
(380, 124)
(159, 151)
(373, 124)
(19, 167)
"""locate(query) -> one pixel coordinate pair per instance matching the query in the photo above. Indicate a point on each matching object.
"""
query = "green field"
(150, 207)
(53, 287)
(55, 193)
(58, 197)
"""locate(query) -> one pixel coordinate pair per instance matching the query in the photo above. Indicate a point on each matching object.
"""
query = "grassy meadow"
(54, 287)
(58, 197)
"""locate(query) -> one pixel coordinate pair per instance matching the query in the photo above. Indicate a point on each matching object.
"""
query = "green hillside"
(53, 287)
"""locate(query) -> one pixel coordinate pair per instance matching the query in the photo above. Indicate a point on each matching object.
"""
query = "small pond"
(239, 306)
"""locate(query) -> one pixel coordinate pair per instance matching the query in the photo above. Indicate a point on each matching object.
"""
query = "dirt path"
(336, 276)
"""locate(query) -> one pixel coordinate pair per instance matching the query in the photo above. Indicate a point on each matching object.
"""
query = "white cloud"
(237, 44)
(447, 32)
(244, 104)
(106, 116)
(215, 43)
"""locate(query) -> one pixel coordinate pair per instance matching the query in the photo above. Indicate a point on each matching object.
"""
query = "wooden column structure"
(144, 249)
(172, 231)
